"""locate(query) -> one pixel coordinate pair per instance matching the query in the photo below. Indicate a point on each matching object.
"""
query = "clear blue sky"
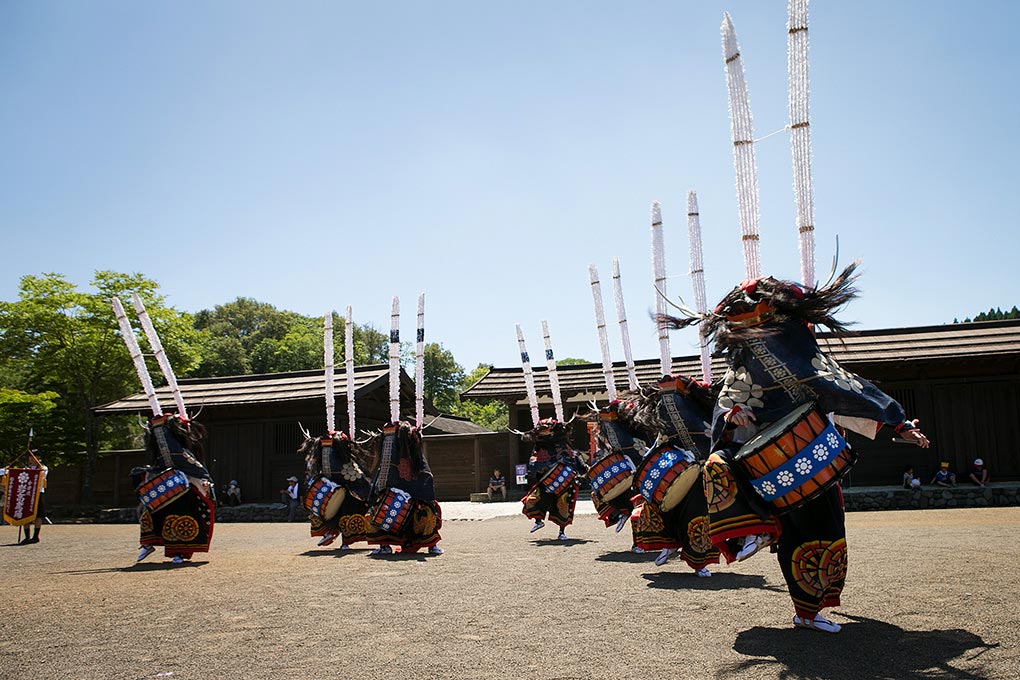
(320, 154)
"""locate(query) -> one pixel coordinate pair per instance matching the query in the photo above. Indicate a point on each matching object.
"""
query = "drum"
(666, 475)
(796, 458)
(611, 476)
(164, 488)
(324, 498)
(390, 510)
(557, 478)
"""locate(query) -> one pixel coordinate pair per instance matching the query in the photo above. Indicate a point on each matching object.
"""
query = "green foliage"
(443, 377)
(569, 361)
(20, 412)
(493, 415)
(247, 336)
(55, 338)
(993, 314)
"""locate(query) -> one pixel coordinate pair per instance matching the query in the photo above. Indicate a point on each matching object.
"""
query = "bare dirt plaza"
(930, 594)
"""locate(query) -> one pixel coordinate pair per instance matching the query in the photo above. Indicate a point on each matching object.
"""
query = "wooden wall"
(462, 463)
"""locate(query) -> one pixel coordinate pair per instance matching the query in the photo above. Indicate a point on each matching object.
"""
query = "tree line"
(61, 355)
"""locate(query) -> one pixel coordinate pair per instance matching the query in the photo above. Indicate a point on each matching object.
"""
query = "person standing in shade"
(290, 494)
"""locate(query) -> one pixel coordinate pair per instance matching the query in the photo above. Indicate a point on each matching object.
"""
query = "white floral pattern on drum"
(830, 370)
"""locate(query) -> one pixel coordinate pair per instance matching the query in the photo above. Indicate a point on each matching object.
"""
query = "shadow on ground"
(627, 556)
(687, 580)
(865, 649)
(556, 541)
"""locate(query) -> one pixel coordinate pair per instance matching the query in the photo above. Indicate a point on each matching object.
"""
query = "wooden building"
(961, 380)
(253, 430)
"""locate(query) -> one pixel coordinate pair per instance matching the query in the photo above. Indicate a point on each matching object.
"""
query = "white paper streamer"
(621, 315)
(698, 278)
(349, 369)
(800, 136)
(161, 357)
(742, 129)
(327, 357)
(600, 328)
(419, 366)
(554, 379)
(529, 377)
(659, 272)
(128, 335)
(395, 361)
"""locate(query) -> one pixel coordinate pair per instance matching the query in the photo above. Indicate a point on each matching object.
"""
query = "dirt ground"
(931, 594)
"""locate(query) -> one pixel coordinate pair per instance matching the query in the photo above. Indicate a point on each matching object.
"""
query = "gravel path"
(931, 594)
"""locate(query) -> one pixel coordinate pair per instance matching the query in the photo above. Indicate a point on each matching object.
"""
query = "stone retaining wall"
(963, 496)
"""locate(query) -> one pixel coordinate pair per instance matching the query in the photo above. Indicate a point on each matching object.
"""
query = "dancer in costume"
(552, 472)
(181, 523)
(338, 490)
(404, 512)
(780, 386)
(175, 489)
(674, 515)
(616, 452)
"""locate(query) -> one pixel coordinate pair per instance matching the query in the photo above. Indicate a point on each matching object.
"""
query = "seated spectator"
(232, 496)
(909, 480)
(944, 477)
(497, 482)
(979, 473)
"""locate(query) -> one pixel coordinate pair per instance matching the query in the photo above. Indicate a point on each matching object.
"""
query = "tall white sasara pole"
(327, 359)
(529, 377)
(349, 369)
(395, 361)
(161, 357)
(419, 365)
(600, 328)
(800, 136)
(659, 272)
(554, 379)
(128, 335)
(698, 277)
(621, 315)
(742, 129)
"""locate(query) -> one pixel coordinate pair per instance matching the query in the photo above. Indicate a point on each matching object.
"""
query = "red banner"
(21, 502)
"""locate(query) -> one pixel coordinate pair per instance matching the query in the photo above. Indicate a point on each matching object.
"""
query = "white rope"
(529, 377)
(554, 379)
(419, 366)
(698, 277)
(349, 369)
(800, 136)
(659, 274)
(395, 361)
(327, 360)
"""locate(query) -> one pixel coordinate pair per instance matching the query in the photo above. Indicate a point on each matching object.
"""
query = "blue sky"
(320, 154)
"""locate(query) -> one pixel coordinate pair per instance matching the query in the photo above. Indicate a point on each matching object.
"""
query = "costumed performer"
(675, 413)
(338, 490)
(776, 367)
(553, 473)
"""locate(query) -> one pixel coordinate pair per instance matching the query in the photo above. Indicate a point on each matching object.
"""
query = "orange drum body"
(324, 498)
(611, 476)
(666, 475)
(795, 459)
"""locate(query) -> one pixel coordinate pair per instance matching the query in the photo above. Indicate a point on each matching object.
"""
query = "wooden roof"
(924, 343)
(259, 389)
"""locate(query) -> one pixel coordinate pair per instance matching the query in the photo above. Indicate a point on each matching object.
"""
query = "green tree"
(19, 413)
(443, 377)
(247, 336)
(570, 361)
(493, 415)
(63, 340)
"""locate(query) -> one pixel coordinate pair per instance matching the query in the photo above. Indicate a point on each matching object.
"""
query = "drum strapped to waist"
(796, 458)
(164, 488)
(611, 476)
(666, 475)
(558, 478)
(390, 511)
(324, 498)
